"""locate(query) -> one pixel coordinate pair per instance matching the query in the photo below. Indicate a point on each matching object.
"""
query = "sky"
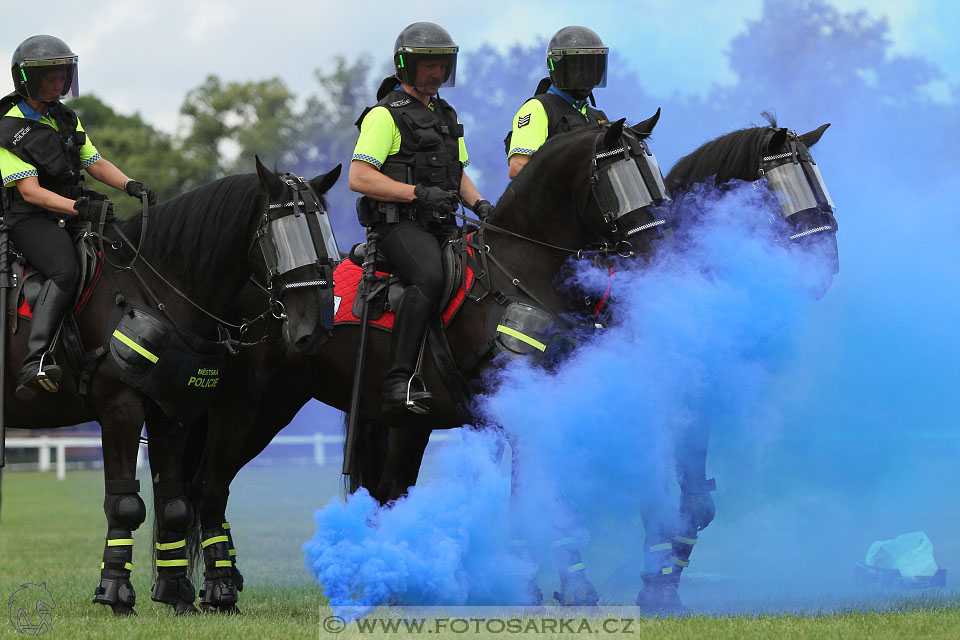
(144, 55)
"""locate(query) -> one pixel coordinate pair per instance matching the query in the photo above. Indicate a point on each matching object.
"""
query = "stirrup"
(418, 406)
(46, 382)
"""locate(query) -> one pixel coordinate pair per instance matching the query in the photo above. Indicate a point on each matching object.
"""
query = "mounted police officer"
(577, 63)
(409, 166)
(43, 147)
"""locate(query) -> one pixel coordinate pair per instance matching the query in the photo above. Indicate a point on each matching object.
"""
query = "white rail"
(44, 445)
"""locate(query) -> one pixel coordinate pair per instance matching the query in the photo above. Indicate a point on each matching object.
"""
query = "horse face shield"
(797, 184)
(630, 190)
(298, 233)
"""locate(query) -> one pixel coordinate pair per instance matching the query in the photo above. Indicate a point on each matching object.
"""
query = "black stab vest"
(561, 116)
(429, 140)
(55, 154)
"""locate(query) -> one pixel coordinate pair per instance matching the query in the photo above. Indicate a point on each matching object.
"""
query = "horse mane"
(732, 156)
(531, 171)
(208, 224)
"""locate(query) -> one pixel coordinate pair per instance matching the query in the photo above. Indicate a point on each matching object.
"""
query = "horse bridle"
(275, 286)
(648, 186)
(794, 178)
(281, 233)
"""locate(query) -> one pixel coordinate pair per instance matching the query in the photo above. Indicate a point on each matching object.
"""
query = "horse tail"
(369, 456)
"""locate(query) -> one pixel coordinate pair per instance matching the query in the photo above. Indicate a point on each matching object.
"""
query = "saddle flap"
(173, 366)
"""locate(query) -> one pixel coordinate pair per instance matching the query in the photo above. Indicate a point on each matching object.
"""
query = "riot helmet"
(40, 64)
(577, 61)
(426, 45)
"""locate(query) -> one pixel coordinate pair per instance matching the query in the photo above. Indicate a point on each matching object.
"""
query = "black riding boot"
(39, 370)
(414, 312)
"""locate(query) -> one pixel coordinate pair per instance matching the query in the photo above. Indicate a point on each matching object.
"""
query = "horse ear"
(777, 140)
(613, 134)
(322, 183)
(811, 138)
(269, 180)
(645, 128)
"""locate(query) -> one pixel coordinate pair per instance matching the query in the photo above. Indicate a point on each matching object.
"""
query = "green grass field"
(52, 532)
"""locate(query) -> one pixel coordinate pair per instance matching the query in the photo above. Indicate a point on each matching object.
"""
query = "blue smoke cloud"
(698, 336)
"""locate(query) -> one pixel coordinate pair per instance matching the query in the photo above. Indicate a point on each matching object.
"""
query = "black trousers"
(415, 254)
(47, 247)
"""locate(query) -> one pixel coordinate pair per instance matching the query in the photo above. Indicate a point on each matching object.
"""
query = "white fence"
(58, 444)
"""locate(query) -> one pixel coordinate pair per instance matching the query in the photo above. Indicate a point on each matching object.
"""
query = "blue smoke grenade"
(699, 336)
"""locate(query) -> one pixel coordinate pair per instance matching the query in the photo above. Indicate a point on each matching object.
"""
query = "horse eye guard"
(629, 184)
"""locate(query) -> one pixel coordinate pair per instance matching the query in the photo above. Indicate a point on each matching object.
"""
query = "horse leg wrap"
(237, 576)
(115, 587)
(219, 588)
(174, 516)
(575, 588)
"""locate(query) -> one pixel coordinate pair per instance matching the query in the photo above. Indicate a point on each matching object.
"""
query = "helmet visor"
(49, 80)
(427, 68)
(582, 69)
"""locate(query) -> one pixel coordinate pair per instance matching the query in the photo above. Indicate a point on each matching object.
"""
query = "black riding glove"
(90, 210)
(437, 201)
(136, 189)
(483, 209)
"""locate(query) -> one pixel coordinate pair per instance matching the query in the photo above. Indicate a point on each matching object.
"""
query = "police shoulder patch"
(523, 121)
(400, 103)
(18, 136)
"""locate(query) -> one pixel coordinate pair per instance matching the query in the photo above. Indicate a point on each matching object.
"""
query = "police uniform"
(415, 144)
(545, 115)
(54, 148)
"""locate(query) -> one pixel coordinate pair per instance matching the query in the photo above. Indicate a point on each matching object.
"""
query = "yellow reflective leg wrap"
(214, 540)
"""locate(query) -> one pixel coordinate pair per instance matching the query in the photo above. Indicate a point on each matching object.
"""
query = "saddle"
(169, 364)
(515, 327)
(385, 295)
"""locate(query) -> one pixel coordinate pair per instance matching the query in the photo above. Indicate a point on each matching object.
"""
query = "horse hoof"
(185, 609)
(662, 600)
(227, 610)
(122, 610)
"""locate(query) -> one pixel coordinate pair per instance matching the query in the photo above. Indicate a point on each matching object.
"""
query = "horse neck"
(212, 267)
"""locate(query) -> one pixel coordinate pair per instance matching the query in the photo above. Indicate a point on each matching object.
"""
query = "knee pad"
(177, 514)
(123, 504)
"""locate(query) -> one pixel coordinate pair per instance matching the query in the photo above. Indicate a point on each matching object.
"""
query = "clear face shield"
(629, 184)
(427, 69)
(582, 69)
(50, 80)
(797, 184)
(298, 233)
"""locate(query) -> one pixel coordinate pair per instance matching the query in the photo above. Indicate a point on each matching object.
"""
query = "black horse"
(779, 160)
(547, 216)
(190, 257)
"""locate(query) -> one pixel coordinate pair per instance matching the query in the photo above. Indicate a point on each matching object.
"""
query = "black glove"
(136, 189)
(483, 209)
(697, 508)
(437, 201)
(89, 210)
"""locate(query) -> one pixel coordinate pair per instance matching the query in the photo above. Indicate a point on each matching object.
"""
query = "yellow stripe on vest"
(536, 344)
(167, 546)
(214, 540)
(133, 345)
